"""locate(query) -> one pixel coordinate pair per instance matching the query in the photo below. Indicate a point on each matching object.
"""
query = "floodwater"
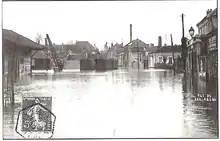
(121, 104)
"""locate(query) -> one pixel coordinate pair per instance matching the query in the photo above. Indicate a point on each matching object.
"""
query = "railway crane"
(58, 64)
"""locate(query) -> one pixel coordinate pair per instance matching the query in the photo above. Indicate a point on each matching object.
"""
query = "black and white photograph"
(110, 70)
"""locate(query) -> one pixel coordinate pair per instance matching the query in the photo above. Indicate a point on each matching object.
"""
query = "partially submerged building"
(16, 54)
(162, 57)
(41, 61)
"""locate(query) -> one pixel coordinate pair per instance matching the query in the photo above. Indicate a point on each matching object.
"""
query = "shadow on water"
(200, 106)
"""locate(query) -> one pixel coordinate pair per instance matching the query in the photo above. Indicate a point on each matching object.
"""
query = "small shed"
(40, 61)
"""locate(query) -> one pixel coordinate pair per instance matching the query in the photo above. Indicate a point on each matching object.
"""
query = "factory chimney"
(159, 41)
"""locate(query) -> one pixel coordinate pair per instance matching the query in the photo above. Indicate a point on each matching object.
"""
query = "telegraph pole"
(183, 45)
(172, 54)
(138, 56)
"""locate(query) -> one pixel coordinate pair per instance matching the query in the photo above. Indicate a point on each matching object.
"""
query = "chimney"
(45, 41)
(130, 32)
(159, 41)
(208, 11)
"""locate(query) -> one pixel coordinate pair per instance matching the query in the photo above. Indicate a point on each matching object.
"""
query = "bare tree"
(39, 38)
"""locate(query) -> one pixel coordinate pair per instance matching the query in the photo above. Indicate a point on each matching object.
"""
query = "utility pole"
(138, 56)
(172, 54)
(183, 45)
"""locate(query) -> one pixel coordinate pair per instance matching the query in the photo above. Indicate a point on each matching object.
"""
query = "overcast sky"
(107, 21)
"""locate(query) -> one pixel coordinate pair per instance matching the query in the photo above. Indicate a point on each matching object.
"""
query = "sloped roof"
(176, 48)
(136, 43)
(79, 47)
(86, 46)
(212, 13)
(152, 49)
(118, 48)
(74, 48)
(20, 41)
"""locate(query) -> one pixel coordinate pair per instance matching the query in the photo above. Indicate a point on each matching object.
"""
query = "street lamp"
(191, 31)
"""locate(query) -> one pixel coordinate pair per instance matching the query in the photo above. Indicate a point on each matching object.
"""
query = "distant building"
(116, 52)
(134, 53)
(72, 54)
(163, 55)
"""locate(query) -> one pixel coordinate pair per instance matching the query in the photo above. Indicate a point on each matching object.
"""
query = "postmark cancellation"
(36, 120)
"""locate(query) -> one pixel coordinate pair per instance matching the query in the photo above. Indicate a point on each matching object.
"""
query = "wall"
(133, 56)
(41, 64)
(154, 58)
(120, 59)
(72, 64)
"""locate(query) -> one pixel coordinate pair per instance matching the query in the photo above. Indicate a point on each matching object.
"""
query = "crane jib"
(58, 64)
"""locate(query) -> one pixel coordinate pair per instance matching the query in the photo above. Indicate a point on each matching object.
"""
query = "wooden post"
(183, 45)
(15, 68)
(31, 65)
(18, 67)
(31, 58)
(171, 37)
(12, 75)
(138, 56)
(3, 76)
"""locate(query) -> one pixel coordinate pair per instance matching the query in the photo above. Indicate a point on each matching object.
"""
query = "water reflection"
(200, 114)
(133, 103)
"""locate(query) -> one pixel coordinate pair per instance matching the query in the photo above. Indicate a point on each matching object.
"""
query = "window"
(170, 60)
(160, 58)
(205, 29)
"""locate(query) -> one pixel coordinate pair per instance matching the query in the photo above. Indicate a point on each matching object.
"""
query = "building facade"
(134, 54)
(203, 50)
(164, 56)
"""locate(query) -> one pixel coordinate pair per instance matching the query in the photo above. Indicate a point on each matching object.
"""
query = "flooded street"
(120, 104)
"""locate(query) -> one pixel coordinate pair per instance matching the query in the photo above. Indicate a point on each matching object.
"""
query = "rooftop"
(9, 36)
(209, 13)
(167, 49)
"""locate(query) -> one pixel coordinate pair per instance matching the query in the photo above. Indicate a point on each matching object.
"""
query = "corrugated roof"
(19, 40)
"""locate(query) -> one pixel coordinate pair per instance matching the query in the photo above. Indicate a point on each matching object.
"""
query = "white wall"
(24, 68)
(155, 58)
(133, 56)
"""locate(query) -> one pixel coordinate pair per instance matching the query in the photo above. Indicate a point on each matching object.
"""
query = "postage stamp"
(36, 120)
